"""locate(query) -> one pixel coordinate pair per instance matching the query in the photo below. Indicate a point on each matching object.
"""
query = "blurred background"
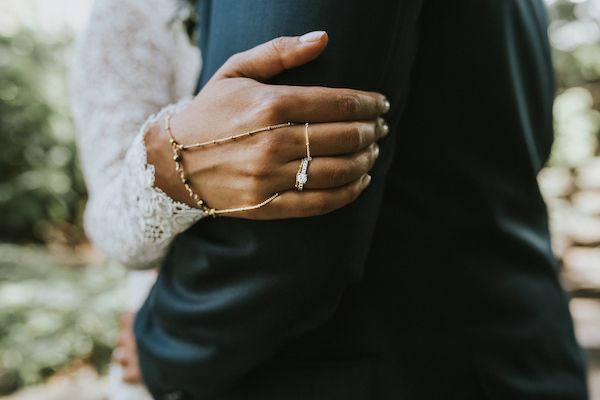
(60, 300)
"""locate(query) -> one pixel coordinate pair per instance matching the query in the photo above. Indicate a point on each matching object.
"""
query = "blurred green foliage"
(575, 38)
(41, 188)
(53, 312)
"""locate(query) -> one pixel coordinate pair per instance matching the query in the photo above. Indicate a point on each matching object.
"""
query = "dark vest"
(439, 281)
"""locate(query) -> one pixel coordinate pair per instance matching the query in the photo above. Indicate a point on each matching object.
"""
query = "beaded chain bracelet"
(177, 158)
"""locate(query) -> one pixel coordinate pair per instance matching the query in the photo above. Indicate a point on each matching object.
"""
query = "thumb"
(273, 57)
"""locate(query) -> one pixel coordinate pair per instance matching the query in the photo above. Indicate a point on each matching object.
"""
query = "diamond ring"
(302, 175)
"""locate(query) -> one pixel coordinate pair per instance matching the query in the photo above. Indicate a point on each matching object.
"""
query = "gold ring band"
(302, 174)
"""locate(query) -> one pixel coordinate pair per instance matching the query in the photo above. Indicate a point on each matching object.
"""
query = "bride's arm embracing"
(131, 66)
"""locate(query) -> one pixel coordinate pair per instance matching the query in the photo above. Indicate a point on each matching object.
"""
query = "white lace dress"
(131, 65)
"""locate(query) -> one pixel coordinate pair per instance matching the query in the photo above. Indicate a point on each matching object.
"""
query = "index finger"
(323, 104)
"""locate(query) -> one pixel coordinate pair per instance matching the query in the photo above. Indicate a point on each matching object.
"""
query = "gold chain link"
(177, 149)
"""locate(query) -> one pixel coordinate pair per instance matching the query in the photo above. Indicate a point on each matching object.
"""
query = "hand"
(125, 354)
(345, 125)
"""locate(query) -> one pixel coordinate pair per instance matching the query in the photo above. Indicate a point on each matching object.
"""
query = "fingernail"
(313, 36)
(384, 129)
(365, 180)
(376, 151)
(385, 105)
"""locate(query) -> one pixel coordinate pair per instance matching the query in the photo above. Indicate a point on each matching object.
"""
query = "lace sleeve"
(129, 64)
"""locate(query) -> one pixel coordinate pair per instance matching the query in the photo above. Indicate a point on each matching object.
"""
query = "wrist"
(159, 155)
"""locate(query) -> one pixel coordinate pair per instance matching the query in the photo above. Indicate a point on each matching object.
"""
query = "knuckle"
(279, 44)
(270, 106)
(354, 136)
(348, 104)
(337, 175)
(271, 146)
(233, 60)
(296, 142)
(258, 171)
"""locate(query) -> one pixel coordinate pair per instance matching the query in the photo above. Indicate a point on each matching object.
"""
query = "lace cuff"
(163, 218)
(146, 218)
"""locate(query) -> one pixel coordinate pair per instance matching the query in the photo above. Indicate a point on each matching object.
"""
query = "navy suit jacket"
(439, 281)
